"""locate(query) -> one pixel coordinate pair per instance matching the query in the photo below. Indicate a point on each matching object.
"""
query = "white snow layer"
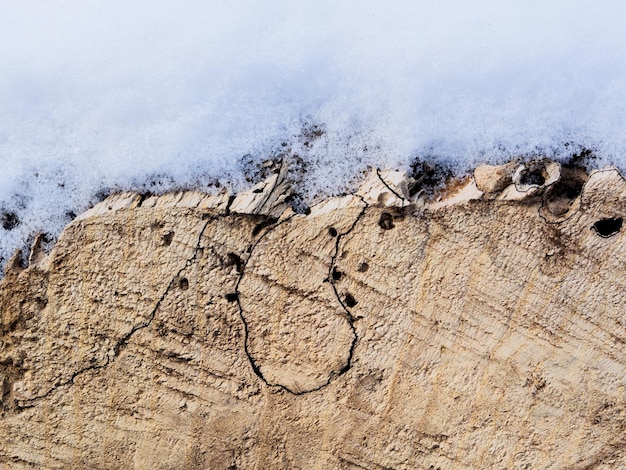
(117, 94)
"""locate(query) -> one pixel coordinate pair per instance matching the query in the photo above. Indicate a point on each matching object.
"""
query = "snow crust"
(102, 95)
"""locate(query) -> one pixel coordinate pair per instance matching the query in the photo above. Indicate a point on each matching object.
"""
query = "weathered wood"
(378, 331)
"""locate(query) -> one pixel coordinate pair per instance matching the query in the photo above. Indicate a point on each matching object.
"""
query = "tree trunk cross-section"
(483, 329)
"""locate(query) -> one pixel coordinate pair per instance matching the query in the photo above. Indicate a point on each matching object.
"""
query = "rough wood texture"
(485, 329)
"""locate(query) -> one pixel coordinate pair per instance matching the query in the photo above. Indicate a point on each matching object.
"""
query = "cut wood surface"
(481, 328)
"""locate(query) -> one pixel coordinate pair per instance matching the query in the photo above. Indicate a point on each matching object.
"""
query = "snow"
(101, 95)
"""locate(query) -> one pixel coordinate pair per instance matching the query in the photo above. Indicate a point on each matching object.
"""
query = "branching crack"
(348, 316)
(272, 224)
(122, 342)
(246, 329)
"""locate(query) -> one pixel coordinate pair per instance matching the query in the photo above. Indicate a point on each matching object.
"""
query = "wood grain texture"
(378, 331)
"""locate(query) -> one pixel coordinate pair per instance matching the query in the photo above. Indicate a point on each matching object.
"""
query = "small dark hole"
(386, 221)
(608, 227)
(350, 300)
(336, 274)
(167, 238)
(232, 297)
(332, 231)
(183, 283)
(531, 178)
(234, 260)
(364, 267)
(9, 220)
(257, 191)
